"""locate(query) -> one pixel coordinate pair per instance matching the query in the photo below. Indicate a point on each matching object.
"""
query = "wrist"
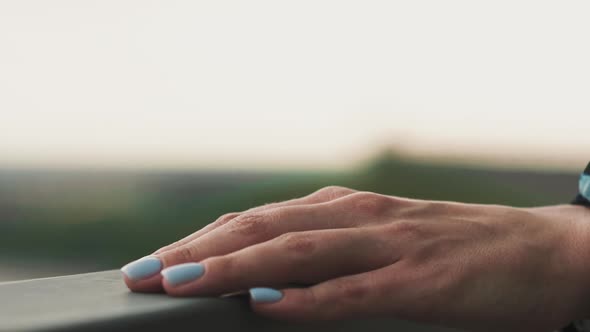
(581, 215)
(574, 277)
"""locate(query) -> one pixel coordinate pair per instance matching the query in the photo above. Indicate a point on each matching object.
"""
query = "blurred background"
(125, 125)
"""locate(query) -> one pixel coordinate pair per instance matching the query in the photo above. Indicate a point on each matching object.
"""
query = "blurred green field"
(109, 218)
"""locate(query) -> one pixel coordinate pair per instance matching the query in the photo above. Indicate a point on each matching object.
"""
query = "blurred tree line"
(110, 218)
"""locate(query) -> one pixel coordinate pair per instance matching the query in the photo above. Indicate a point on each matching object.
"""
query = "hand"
(478, 267)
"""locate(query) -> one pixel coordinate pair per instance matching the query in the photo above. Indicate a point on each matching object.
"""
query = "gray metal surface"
(101, 302)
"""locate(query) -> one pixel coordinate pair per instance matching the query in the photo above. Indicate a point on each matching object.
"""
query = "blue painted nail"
(181, 273)
(265, 295)
(142, 268)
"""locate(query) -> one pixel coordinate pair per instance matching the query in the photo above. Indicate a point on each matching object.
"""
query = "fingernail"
(265, 295)
(142, 268)
(181, 273)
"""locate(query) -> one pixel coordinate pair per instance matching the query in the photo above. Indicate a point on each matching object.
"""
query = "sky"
(292, 84)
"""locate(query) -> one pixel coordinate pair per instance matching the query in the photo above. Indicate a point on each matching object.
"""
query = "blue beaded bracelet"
(583, 197)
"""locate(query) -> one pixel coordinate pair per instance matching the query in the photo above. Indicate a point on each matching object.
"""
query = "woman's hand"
(479, 267)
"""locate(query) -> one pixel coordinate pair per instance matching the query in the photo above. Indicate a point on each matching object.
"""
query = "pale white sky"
(292, 83)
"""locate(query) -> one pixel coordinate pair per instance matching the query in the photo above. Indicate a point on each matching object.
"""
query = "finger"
(345, 297)
(253, 228)
(237, 233)
(320, 196)
(219, 222)
(304, 257)
(354, 209)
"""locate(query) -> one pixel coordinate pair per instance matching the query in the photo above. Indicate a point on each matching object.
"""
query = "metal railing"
(101, 302)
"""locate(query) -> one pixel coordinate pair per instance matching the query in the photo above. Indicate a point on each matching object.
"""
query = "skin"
(474, 267)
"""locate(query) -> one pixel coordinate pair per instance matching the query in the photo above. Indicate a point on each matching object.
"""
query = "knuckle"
(428, 208)
(226, 218)
(250, 224)
(333, 192)
(370, 203)
(298, 244)
(436, 207)
(183, 254)
(409, 209)
(405, 229)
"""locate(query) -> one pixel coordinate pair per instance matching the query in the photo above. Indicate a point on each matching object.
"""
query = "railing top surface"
(100, 301)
